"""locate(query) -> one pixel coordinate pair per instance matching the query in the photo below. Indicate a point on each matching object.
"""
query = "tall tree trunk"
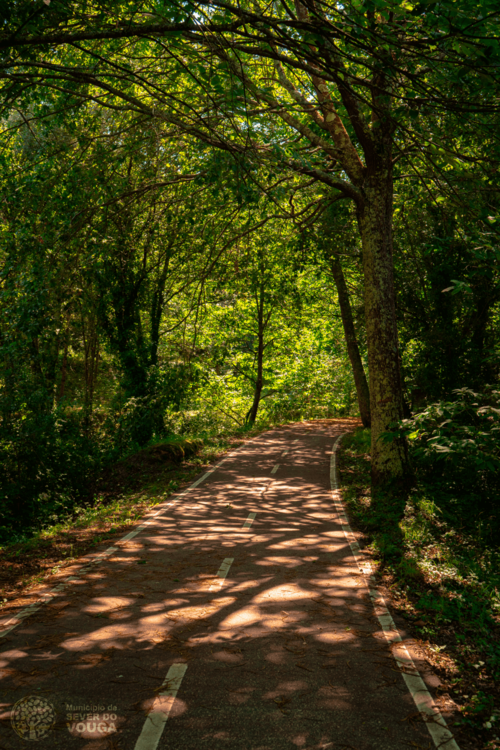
(389, 461)
(260, 355)
(157, 311)
(358, 370)
(91, 352)
(64, 369)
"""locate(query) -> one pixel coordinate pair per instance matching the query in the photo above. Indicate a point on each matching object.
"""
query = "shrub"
(50, 463)
(455, 445)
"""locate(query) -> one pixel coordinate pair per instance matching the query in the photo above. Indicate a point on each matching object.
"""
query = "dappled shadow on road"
(283, 653)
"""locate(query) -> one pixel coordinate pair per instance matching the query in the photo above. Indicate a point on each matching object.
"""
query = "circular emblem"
(33, 717)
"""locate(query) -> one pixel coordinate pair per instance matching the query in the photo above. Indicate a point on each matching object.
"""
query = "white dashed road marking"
(157, 717)
(435, 722)
(49, 595)
(249, 520)
(222, 573)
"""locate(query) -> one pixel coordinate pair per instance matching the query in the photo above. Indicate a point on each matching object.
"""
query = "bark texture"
(389, 460)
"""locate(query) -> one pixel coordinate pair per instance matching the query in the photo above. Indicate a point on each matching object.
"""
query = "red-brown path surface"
(284, 653)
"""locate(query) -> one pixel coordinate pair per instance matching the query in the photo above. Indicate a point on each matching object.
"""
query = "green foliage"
(50, 464)
(446, 580)
(314, 386)
(123, 320)
(358, 442)
(455, 448)
(464, 432)
(155, 233)
(305, 370)
(136, 421)
(448, 288)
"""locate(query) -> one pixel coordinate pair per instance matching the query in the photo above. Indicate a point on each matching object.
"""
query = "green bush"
(50, 463)
(455, 446)
(463, 433)
(359, 440)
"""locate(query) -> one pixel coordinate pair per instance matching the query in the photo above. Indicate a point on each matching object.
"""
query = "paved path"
(238, 612)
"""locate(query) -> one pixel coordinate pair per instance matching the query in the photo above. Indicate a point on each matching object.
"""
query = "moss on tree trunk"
(389, 460)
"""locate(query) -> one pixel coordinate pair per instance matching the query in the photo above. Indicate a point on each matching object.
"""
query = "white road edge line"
(48, 596)
(436, 724)
(222, 573)
(275, 469)
(249, 521)
(158, 716)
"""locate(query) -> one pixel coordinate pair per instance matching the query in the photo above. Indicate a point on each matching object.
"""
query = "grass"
(446, 583)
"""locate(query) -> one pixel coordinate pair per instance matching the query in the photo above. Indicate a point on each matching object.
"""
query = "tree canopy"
(228, 201)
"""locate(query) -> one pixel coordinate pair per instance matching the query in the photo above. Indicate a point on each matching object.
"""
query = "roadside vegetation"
(446, 578)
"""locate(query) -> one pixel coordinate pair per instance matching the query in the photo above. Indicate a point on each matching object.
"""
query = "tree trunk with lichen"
(389, 460)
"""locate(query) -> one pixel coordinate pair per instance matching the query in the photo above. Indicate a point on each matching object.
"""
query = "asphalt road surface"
(237, 617)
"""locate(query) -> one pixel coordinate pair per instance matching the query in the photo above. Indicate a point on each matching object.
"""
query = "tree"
(335, 237)
(354, 87)
(266, 278)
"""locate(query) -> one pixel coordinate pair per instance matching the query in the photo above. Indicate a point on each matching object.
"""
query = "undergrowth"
(446, 583)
